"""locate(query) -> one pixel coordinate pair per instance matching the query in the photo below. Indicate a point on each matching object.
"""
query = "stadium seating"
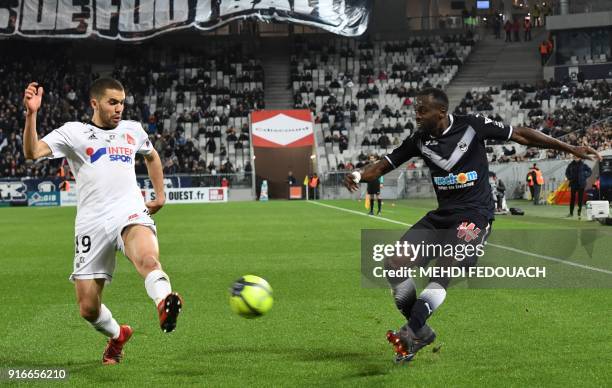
(183, 97)
(201, 95)
(195, 103)
(360, 92)
(65, 82)
(569, 110)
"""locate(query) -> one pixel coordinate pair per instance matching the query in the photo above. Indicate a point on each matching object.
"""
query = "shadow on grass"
(356, 364)
(297, 354)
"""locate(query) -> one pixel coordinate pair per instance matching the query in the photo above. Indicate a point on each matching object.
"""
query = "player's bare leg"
(142, 249)
(89, 298)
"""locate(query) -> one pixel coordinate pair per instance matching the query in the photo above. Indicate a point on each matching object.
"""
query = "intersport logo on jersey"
(115, 154)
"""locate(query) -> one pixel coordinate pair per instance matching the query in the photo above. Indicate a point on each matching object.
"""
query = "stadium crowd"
(66, 89)
(427, 57)
(203, 117)
(575, 118)
(581, 116)
(66, 84)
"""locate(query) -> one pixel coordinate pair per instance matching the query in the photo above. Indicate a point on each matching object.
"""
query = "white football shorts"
(97, 244)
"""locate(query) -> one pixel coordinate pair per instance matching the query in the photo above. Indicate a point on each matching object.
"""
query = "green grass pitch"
(324, 329)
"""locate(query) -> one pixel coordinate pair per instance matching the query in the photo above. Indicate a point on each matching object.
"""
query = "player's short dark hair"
(101, 85)
(437, 95)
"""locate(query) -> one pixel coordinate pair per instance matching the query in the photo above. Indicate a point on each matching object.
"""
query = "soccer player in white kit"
(111, 212)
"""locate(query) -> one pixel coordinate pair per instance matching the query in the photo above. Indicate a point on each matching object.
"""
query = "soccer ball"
(251, 296)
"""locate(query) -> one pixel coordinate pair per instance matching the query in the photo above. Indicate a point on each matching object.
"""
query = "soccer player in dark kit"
(453, 147)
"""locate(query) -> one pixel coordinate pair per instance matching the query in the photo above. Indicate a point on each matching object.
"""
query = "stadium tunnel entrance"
(283, 141)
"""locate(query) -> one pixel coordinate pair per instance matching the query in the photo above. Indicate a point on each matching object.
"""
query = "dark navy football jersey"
(457, 161)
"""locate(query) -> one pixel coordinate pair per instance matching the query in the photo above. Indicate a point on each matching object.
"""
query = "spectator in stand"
(497, 22)
(550, 44)
(508, 30)
(516, 29)
(383, 141)
(527, 29)
(535, 13)
(544, 52)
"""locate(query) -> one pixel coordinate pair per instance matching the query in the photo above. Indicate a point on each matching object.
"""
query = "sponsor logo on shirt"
(467, 231)
(115, 154)
(458, 181)
(130, 139)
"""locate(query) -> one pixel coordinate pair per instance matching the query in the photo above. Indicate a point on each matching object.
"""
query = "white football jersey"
(102, 161)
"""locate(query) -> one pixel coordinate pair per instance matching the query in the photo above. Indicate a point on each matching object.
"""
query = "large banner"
(282, 128)
(13, 192)
(132, 20)
(68, 198)
(50, 198)
(191, 195)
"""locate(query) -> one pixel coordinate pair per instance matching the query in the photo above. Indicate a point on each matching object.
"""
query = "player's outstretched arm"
(531, 137)
(32, 147)
(156, 173)
(368, 174)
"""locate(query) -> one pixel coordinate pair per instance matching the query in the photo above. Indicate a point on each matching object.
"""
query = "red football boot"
(401, 353)
(114, 349)
(169, 309)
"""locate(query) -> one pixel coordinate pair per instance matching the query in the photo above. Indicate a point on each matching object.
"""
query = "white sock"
(106, 324)
(157, 284)
(434, 294)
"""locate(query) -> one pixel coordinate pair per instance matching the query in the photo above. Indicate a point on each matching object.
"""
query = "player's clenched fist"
(351, 181)
(32, 97)
(154, 206)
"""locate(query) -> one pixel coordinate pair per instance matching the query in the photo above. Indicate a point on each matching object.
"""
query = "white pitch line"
(549, 258)
(360, 213)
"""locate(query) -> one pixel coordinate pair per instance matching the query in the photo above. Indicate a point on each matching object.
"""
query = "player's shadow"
(370, 371)
(298, 354)
(368, 364)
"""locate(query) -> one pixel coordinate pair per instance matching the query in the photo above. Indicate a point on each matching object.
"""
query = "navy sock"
(418, 315)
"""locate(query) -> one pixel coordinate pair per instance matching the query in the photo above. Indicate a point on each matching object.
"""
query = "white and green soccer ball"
(251, 296)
